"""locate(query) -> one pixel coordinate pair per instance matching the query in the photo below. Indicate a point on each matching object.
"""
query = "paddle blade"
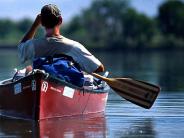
(137, 92)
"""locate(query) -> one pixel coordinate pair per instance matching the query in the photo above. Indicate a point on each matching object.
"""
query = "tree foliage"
(171, 18)
(113, 24)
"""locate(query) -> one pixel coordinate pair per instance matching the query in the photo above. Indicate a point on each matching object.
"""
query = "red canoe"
(37, 97)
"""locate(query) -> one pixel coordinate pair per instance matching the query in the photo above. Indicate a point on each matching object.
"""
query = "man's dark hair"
(50, 16)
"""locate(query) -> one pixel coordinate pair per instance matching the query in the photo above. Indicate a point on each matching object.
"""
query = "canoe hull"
(37, 97)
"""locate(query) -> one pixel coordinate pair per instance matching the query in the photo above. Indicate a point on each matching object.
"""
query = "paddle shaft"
(101, 77)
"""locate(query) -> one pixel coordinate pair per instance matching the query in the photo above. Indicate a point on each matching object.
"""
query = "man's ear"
(60, 20)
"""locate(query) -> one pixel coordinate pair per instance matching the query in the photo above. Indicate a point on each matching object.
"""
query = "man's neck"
(52, 32)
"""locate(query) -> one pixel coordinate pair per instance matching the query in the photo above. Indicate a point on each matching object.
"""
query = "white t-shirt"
(58, 45)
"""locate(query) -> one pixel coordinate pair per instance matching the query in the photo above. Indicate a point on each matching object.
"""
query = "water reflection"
(142, 128)
(74, 128)
(16, 128)
(132, 127)
(78, 127)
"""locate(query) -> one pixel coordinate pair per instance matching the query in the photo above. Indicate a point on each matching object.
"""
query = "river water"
(122, 119)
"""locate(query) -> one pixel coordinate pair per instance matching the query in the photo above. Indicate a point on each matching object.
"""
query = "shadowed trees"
(171, 18)
(170, 22)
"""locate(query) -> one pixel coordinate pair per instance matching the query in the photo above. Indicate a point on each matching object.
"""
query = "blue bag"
(61, 68)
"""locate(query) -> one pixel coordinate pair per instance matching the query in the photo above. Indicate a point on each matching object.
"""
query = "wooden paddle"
(138, 92)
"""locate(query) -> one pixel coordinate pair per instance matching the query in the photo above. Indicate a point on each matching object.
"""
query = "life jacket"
(61, 67)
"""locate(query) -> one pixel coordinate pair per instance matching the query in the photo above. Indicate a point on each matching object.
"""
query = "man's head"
(50, 16)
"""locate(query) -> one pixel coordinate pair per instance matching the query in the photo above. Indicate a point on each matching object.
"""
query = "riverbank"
(8, 47)
(112, 49)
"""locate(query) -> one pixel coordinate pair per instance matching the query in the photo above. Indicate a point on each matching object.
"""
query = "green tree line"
(114, 24)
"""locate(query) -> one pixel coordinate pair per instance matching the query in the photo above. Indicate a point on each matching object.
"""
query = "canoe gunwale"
(50, 78)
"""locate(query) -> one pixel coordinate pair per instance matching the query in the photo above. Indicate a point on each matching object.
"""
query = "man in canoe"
(54, 43)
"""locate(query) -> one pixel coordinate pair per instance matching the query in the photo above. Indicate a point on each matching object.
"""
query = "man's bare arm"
(99, 69)
(30, 34)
